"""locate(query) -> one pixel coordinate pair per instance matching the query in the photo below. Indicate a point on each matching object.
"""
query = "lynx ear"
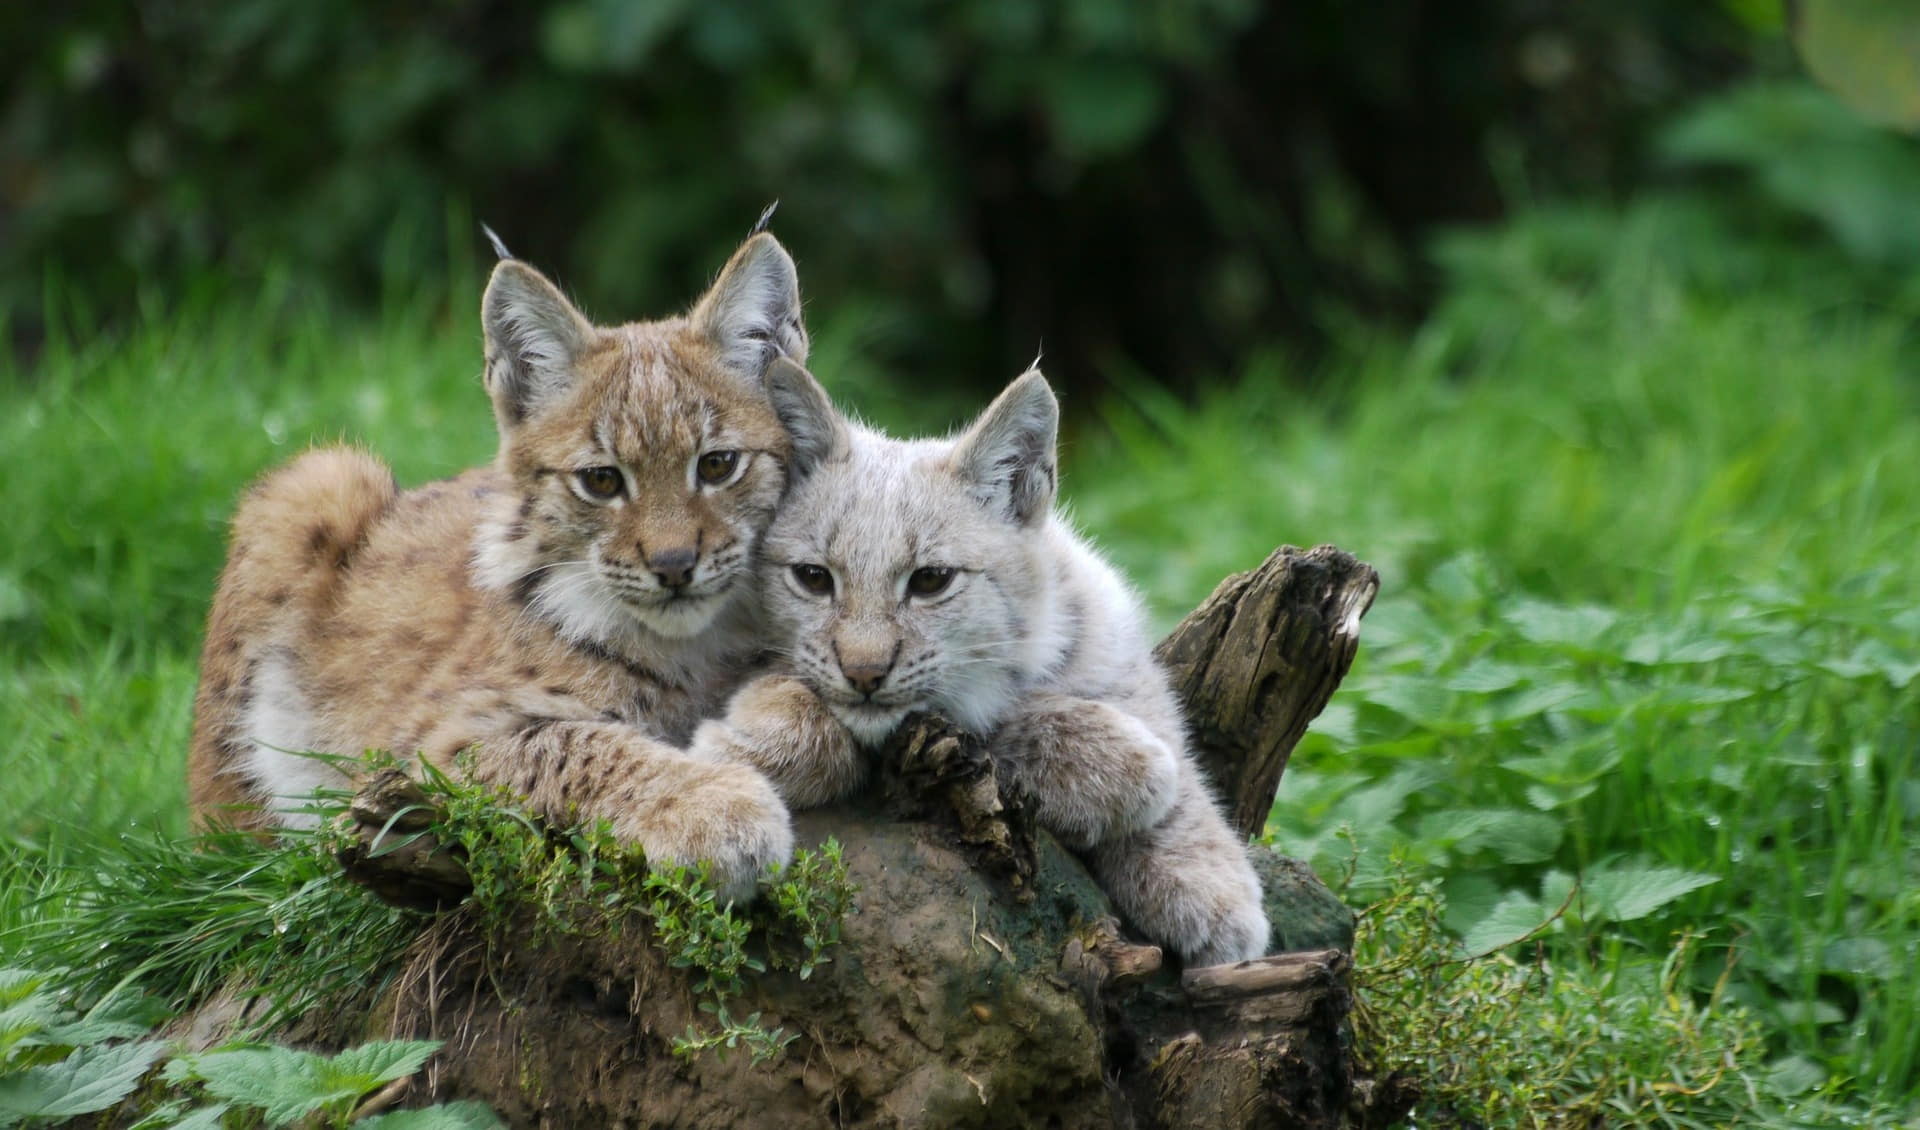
(819, 434)
(534, 337)
(752, 312)
(1007, 455)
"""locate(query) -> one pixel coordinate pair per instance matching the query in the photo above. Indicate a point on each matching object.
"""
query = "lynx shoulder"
(910, 575)
(568, 612)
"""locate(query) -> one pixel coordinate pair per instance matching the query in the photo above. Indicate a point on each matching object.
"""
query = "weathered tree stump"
(981, 980)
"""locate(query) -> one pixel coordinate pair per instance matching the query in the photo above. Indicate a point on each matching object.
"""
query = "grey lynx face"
(904, 572)
(647, 458)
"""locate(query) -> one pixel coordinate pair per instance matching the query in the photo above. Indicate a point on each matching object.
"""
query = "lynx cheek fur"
(569, 612)
(934, 575)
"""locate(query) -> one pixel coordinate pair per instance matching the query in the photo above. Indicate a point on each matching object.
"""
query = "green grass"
(1641, 490)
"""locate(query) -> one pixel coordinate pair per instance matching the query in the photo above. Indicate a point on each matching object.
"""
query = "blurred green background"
(1160, 186)
(1593, 327)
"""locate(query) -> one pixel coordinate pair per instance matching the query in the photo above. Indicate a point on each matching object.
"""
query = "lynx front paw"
(1187, 883)
(1237, 932)
(728, 816)
(779, 727)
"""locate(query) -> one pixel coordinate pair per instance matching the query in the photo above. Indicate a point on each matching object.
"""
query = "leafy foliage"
(57, 1064)
(286, 1085)
(1496, 1041)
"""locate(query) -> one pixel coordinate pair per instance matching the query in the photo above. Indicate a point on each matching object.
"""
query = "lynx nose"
(673, 567)
(867, 677)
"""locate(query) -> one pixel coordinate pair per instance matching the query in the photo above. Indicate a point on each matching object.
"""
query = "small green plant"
(56, 1062)
(1493, 1040)
(59, 1063)
(584, 882)
(282, 1085)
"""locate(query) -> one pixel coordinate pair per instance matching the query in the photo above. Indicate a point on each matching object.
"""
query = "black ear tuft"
(499, 246)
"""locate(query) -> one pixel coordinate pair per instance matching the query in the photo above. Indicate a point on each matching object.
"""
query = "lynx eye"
(814, 579)
(716, 466)
(599, 482)
(930, 580)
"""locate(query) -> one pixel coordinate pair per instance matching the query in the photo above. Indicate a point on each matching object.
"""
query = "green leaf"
(1861, 957)
(1422, 701)
(452, 1116)
(202, 1118)
(285, 1084)
(1484, 676)
(26, 1022)
(1576, 626)
(17, 985)
(1514, 917)
(1531, 703)
(1794, 1075)
(382, 1061)
(90, 1079)
(1624, 893)
(1515, 836)
(121, 1016)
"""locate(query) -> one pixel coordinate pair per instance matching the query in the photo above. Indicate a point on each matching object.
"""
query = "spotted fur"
(1034, 640)
(572, 641)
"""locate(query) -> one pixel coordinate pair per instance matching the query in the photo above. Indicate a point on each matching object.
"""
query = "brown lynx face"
(646, 459)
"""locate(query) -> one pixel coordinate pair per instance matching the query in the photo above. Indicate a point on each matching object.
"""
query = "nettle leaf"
(89, 1080)
(1675, 647)
(202, 1118)
(1514, 917)
(1861, 957)
(1340, 722)
(1622, 893)
(119, 1017)
(452, 1116)
(382, 1061)
(1794, 1075)
(1695, 695)
(1514, 835)
(1532, 702)
(26, 1022)
(1485, 676)
(1567, 625)
(285, 1084)
(1874, 658)
(17, 985)
(1422, 701)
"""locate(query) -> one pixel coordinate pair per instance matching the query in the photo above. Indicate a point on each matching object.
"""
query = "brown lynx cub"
(570, 612)
(935, 575)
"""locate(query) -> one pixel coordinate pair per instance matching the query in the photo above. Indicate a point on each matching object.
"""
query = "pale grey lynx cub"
(934, 575)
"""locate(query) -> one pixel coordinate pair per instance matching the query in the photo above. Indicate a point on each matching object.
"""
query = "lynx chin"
(934, 575)
(569, 613)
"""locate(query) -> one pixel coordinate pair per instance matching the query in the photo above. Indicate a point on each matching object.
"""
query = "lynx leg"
(678, 809)
(1094, 771)
(1187, 883)
(781, 728)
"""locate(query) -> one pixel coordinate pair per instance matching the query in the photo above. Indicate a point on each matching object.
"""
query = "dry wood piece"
(393, 855)
(1259, 659)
